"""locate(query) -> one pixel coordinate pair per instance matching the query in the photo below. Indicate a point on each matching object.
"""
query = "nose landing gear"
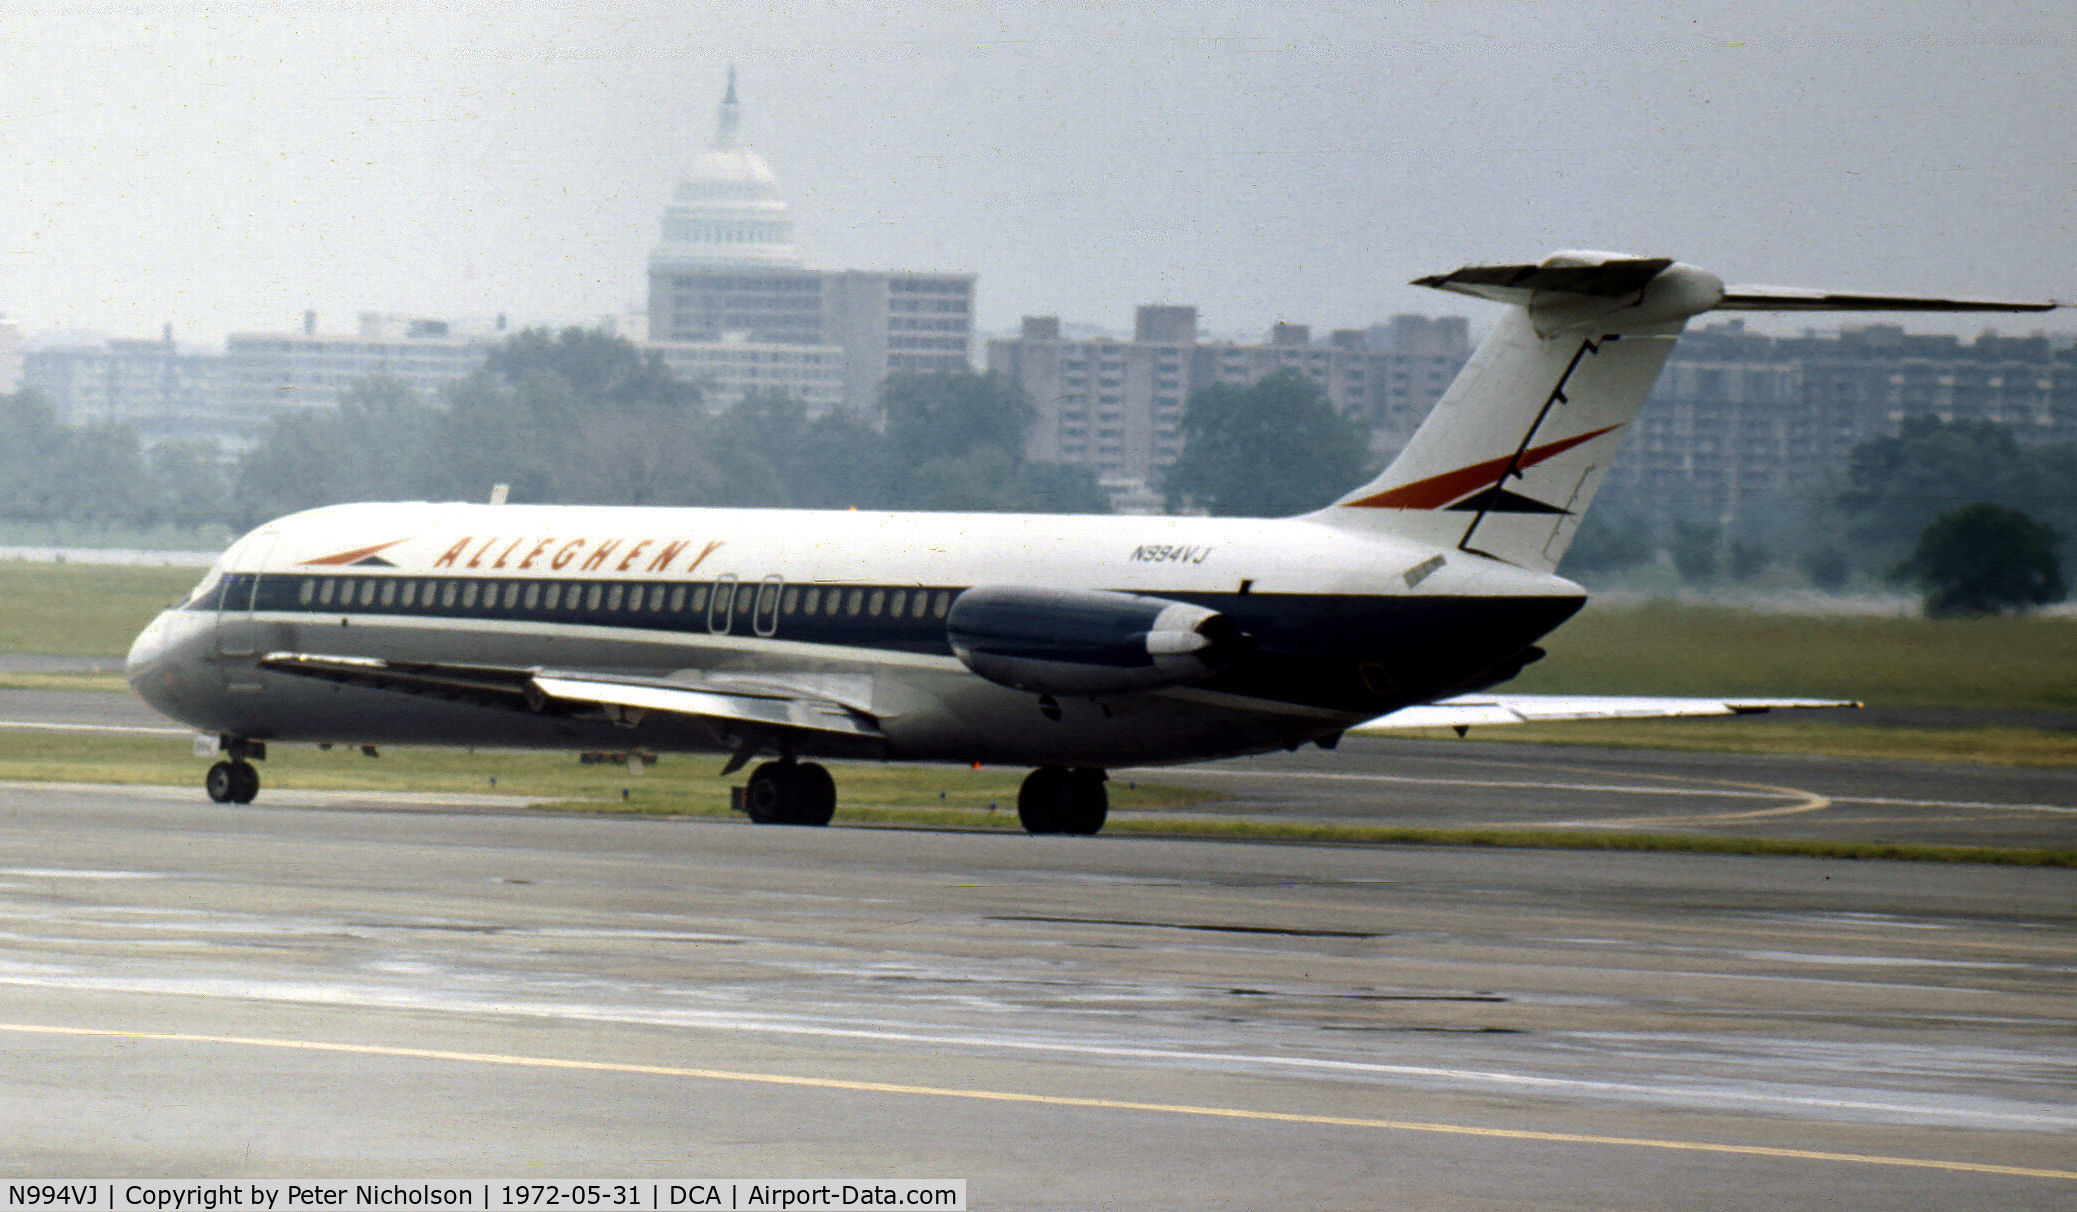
(234, 781)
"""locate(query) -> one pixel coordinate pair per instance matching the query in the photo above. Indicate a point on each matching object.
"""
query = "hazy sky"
(223, 166)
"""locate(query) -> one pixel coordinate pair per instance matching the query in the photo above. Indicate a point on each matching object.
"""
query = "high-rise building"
(1117, 406)
(726, 270)
(10, 355)
(151, 386)
(1741, 424)
(265, 373)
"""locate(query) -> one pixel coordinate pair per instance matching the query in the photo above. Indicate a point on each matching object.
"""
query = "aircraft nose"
(151, 667)
(146, 650)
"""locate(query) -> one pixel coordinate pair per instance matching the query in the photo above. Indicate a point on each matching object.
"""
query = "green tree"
(1984, 559)
(1694, 549)
(1826, 567)
(190, 482)
(579, 416)
(96, 473)
(29, 433)
(771, 453)
(379, 443)
(1607, 542)
(1273, 448)
(955, 441)
(1896, 486)
(949, 414)
(1061, 488)
(1747, 559)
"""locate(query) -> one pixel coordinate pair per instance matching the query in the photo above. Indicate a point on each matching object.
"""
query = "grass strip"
(1991, 745)
(1563, 839)
(94, 683)
(90, 610)
(873, 795)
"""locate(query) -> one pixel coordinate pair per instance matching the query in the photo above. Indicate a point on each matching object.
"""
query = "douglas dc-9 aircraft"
(1068, 644)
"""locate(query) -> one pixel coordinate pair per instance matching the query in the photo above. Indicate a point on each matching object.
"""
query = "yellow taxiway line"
(1047, 1100)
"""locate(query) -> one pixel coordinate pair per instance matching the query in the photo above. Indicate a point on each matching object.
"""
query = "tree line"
(1961, 509)
(571, 417)
(584, 417)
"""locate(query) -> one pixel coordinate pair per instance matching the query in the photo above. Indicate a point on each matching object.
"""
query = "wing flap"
(1478, 710)
(772, 711)
(556, 692)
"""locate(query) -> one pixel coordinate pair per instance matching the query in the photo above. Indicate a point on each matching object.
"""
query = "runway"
(1453, 784)
(1457, 784)
(417, 989)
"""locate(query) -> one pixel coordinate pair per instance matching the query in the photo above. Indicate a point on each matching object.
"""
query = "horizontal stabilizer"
(1479, 710)
(1609, 279)
(1789, 298)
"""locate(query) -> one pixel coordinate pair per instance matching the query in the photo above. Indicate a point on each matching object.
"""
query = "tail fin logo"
(1479, 486)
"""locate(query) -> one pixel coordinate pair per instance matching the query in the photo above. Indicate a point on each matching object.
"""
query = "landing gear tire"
(818, 795)
(790, 793)
(1060, 799)
(232, 783)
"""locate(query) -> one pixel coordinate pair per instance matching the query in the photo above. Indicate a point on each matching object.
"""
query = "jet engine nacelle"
(1087, 641)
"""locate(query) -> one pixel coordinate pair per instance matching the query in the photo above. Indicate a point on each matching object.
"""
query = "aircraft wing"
(1467, 710)
(554, 692)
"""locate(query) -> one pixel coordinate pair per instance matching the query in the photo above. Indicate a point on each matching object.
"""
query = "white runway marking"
(1155, 774)
(116, 729)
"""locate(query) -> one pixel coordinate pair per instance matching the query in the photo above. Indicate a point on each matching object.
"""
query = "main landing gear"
(787, 792)
(234, 781)
(1063, 799)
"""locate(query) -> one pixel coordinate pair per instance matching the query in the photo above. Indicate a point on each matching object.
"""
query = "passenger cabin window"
(721, 611)
(766, 620)
(307, 592)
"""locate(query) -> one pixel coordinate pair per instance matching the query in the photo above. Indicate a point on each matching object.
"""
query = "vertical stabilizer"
(1512, 455)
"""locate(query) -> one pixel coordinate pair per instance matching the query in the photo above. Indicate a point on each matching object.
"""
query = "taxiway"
(392, 987)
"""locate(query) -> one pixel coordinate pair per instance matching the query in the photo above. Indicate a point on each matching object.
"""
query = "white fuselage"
(846, 607)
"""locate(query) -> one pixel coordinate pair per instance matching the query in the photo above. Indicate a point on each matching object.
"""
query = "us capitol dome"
(727, 209)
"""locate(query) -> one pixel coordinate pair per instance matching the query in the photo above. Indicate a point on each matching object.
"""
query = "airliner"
(1065, 644)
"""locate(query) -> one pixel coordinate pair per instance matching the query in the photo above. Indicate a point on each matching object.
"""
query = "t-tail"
(1509, 460)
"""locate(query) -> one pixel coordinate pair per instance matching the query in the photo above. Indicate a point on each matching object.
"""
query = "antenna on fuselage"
(498, 493)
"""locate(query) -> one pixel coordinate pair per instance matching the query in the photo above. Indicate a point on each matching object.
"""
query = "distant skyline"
(225, 166)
